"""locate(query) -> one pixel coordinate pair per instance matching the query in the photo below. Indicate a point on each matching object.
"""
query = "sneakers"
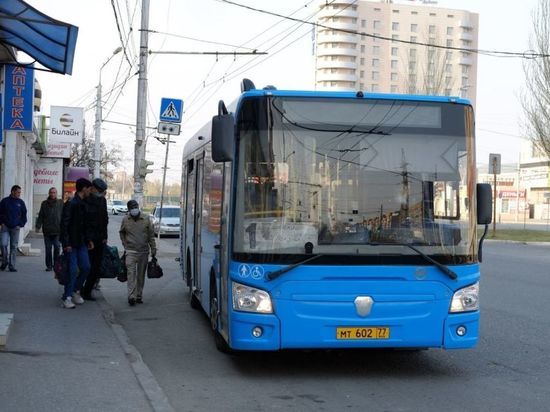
(131, 301)
(77, 298)
(68, 303)
(4, 266)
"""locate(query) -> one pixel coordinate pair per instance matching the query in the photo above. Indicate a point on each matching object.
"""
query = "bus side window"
(190, 166)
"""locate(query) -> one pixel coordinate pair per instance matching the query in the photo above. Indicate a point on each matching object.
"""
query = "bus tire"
(219, 341)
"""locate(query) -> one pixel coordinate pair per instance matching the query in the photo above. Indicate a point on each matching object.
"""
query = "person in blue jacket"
(13, 216)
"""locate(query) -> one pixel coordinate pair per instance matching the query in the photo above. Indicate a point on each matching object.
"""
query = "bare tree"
(535, 98)
(83, 155)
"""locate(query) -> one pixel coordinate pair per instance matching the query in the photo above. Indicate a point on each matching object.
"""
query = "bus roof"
(353, 95)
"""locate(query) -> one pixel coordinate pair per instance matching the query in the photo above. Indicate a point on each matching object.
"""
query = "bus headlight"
(466, 299)
(249, 299)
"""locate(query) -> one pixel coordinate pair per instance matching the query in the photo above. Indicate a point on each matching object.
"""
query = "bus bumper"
(243, 325)
(465, 324)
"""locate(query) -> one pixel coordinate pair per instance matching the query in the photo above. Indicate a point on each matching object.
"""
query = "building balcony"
(330, 12)
(342, 25)
(341, 37)
(333, 51)
(466, 36)
(335, 64)
(338, 77)
(338, 88)
(466, 60)
(466, 23)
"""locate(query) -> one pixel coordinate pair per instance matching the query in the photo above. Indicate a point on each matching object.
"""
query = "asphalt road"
(508, 371)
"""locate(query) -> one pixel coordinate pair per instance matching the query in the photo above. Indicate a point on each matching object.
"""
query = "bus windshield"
(348, 174)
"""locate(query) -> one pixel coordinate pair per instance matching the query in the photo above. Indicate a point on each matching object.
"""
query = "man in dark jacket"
(98, 219)
(76, 241)
(49, 220)
(13, 216)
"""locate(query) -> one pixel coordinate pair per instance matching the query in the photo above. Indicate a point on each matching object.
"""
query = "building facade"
(349, 61)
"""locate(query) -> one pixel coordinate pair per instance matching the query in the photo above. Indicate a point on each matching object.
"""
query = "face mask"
(134, 212)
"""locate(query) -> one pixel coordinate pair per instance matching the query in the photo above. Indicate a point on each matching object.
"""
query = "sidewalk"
(66, 359)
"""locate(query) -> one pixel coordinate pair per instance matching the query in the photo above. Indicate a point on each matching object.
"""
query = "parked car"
(116, 207)
(170, 224)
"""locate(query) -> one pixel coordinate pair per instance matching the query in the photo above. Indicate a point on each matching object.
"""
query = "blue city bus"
(334, 220)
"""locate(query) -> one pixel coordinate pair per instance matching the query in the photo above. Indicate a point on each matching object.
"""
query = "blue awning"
(50, 42)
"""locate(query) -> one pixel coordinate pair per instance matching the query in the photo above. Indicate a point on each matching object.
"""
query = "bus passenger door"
(197, 228)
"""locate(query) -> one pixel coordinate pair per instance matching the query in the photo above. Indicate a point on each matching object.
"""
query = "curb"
(517, 242)
(6, 320)
(153, 392)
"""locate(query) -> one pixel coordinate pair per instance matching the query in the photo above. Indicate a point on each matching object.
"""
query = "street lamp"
(98, 118)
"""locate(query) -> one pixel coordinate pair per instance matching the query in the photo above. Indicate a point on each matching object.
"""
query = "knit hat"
(99, 184)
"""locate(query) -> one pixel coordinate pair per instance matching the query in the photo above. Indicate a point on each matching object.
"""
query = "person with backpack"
(49, 220)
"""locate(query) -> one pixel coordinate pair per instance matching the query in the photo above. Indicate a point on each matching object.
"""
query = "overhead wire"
(494, 53)
(120, 32)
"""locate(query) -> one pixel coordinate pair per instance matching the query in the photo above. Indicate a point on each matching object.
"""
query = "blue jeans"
(51, 242)
(10, 237)
(79, 267)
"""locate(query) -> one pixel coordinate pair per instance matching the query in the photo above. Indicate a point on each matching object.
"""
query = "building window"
(395, 11)
(414, 13)
(412, 54)
(375, 50)
(394, 64)
(376, 24)
(412, 66)
(362, 61)
(449, 31)
(449, 55)
(375, 38)
(448, 80)
(431, 54)
(413, 39)
(362, 74)
(451, 16)
(449, 43)
(394, 51)
(465, 70)
(464, 81)
(412, 78)
(375, 62)
(431, 29)
(375, 76)
(431, 40)
(374, 88)
(447, 92)
(394, 77)
(433, 14)
(395, 26)
(363, 23)
(362, 48)
(448, 68)
(376, 9)
(395, 37)
(393, 89)
(361, 86)
(414, 28)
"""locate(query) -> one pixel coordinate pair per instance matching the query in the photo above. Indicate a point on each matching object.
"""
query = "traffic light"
(143, 167)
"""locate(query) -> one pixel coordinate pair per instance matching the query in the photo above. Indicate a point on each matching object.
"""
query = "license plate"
(370, 332)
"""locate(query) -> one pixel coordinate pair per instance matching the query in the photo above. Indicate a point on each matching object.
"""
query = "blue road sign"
(171, 110)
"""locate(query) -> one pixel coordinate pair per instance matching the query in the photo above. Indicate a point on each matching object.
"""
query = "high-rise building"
(349, 61)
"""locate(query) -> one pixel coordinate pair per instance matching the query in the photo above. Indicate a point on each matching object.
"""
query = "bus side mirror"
(484, 204)
(223, 137)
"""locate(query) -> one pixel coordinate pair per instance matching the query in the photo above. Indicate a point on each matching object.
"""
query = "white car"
(170, 224)
(116, 207)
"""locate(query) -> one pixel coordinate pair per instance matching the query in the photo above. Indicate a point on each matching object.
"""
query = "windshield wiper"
(440, 266)
(309, 250)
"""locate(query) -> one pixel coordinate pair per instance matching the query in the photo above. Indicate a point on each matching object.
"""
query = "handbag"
(154, 271)
(123, 275)
(61, 270)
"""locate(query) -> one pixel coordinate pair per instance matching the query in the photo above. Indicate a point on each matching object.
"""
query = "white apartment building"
(348, 61)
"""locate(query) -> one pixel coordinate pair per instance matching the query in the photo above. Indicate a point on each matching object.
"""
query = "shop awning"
(50, 42)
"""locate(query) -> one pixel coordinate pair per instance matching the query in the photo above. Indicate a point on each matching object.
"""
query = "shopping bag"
(111, 264)
(61, 270)
(154, 271)
(123, 275)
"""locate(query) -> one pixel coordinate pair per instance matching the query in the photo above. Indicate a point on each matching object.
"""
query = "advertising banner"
(59, 150)
(18, 98)
(48, 173)
(66, 124)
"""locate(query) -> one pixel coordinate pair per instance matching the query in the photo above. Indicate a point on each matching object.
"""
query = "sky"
(200, 81)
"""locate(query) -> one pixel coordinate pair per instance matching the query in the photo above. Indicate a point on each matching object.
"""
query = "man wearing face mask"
(98, 218)
(138, 238)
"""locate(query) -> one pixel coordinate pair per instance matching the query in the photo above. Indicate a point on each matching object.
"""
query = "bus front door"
(197, 229)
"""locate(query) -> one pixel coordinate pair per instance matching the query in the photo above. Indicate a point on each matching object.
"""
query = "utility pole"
(141, 115)
(97, 148)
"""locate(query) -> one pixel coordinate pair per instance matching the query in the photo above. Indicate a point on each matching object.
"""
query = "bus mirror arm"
(480, 248)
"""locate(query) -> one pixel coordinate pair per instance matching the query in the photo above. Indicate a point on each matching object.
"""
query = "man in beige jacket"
(138, 238)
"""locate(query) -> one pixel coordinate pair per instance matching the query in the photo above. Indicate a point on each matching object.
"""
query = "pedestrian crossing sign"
(171, 110)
